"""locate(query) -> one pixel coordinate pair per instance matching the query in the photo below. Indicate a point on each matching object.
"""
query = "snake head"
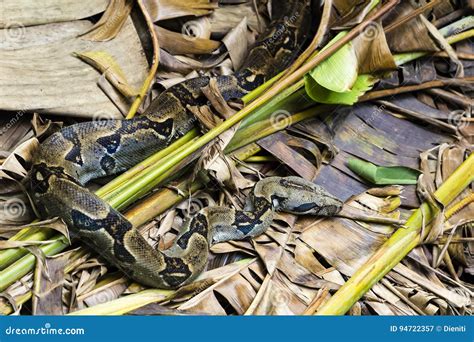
(301, 197)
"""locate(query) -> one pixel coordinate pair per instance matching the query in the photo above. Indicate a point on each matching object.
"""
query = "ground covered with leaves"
(377, 109)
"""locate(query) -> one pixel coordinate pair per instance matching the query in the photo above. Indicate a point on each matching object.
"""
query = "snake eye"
(277, 201)
(39, 180)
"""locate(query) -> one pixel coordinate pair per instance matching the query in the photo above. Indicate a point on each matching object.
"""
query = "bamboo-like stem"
(132, 302)
(22, 266)
(10, 255)
(399, 244)
(403, 58)
(126, 304)
(377, 94)
(147, 181)
(264, 128)
(109, 188)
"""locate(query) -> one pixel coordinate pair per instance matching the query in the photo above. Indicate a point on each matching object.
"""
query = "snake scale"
(70, 158)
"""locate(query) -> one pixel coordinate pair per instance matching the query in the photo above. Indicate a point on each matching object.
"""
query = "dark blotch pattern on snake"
(67, 160)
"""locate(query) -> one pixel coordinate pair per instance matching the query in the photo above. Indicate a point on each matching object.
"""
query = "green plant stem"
(10, 255)
(398, 245)
(107, 189)
(126, 304)
(22, 266)
(134, 301)
(148, 208)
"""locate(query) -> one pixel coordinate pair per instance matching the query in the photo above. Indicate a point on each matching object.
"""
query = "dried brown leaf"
(48, 284)
(111, 22)
(181, 44)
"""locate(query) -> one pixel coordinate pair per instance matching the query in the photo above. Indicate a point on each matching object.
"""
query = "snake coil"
(70, 158)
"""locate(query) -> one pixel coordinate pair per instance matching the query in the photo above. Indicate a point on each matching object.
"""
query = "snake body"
(70, 158)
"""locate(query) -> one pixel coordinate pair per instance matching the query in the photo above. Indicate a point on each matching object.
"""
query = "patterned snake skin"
(67, 160)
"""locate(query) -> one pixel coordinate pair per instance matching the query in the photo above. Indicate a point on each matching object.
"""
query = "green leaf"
(339, 72)
(322, 95)
(383, 175)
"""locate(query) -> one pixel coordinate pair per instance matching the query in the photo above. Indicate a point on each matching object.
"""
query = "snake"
(68, 159)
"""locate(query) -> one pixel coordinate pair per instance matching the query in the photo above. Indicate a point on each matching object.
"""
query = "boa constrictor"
(70, 158)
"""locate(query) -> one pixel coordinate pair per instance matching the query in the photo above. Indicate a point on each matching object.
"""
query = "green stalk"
(21, 267)
(134, 301)
(267, 127)
(136, 170)
(126, 304)
(10, 255)
(141, 214)
(399, 244)
(130, 183)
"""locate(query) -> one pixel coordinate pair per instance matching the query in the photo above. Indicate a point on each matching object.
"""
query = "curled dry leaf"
(44, 127)
(16, 166)
(281, 145)
(181, 44)
(236, 43)
(232, 294)
(372, 51)
(411, 36)
(213, 160)
(107, 289)
(106, 64)
(169, 9)
(351, 12)
(225, 18)
(111, 22)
